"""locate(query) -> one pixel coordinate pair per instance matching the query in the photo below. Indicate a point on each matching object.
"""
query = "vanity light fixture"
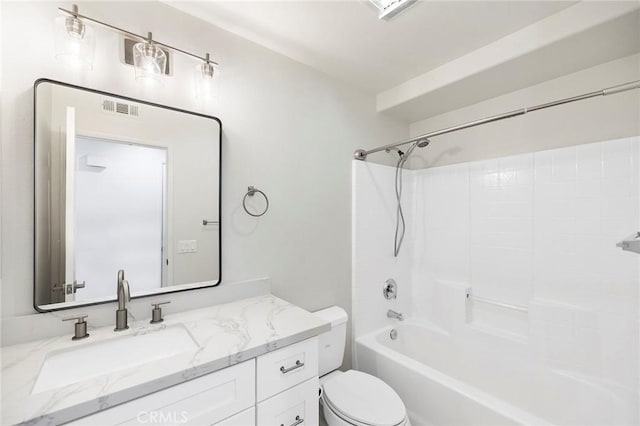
(149, 61)
(149, 56)
(207, 79)
(74, 41)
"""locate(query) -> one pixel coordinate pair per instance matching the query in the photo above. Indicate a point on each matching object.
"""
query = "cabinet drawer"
(246, 418)
(202, 401)
(286, 367)
(293, 407)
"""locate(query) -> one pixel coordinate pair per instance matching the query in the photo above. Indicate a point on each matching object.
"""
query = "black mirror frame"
(126, 98)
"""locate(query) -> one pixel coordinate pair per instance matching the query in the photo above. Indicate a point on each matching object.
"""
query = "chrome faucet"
(123, 298)
(394, 314)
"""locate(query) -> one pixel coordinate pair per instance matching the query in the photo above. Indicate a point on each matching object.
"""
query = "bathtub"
(479, 379)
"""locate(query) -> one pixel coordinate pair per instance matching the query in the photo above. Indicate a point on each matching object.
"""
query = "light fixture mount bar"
(75, 14)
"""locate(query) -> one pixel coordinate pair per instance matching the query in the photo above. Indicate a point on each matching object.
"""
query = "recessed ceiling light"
(390, 8)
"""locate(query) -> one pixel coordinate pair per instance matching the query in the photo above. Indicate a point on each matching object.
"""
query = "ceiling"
(598, 42)
(436, 56)
(346, 40)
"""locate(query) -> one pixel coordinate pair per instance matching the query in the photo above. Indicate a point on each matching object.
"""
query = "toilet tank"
(331, 343)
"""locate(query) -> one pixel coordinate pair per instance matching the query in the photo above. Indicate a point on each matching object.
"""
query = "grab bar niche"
(471, 297)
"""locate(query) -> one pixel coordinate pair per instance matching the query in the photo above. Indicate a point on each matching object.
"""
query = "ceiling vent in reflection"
(114, 107)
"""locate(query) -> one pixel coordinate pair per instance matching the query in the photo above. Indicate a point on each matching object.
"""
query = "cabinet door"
(202, 401)
(286, 367)
(246, 418)
(293, 407)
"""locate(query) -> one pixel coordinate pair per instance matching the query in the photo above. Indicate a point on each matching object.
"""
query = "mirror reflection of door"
(68, 288)
(120, 215)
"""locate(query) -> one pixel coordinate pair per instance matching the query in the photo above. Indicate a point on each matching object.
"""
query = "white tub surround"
(553, 312)
(224, 335)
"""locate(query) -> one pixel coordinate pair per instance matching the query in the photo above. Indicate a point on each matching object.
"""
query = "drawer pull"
(298, 421)
(295, 367)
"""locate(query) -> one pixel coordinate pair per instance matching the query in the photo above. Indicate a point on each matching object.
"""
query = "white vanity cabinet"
(247, 417)
(277, 388)
(287, 387)
(293, 407)
(205, 400)
(286, 367)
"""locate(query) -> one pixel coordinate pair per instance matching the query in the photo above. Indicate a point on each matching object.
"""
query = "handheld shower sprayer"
(400, 222)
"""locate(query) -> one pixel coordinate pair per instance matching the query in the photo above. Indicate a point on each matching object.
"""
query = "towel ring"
(250, 193)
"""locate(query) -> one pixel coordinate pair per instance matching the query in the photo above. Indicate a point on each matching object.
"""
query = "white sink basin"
(73, 365)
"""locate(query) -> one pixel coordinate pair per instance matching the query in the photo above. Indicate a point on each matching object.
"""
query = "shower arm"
(362, 154)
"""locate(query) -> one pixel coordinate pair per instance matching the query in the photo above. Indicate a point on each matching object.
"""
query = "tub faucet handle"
(390, 289)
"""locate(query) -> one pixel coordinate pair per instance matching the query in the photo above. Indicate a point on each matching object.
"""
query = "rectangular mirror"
(122, 184)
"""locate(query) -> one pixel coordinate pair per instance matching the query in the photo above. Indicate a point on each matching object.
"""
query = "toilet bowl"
(357, 398)
(352, 397)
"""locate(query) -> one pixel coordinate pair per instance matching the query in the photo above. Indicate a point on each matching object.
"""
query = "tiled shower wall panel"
(440, 232)
(373, 227)
(540, 230)
(587, 200)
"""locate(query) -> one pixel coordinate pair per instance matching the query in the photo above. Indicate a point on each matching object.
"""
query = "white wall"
(287, 129)
(596, 119)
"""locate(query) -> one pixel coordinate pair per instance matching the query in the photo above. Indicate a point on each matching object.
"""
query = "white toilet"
(352, 397)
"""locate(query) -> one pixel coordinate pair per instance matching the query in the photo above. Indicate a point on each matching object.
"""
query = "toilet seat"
(363, 400)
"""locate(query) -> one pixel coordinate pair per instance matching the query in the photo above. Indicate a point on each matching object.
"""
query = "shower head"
(421, 143)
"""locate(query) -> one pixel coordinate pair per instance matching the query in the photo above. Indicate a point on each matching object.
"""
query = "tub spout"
(393, 314)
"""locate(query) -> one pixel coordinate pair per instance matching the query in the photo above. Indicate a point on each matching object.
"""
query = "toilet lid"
(365, 399)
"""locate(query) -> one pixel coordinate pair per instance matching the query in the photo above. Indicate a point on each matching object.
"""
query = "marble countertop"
(225, 335)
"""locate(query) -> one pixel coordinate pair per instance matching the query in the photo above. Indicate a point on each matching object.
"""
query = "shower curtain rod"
(361, 154)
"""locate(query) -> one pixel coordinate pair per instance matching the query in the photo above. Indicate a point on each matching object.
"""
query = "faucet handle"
(80, 326)
(80, 318)
(156, 312)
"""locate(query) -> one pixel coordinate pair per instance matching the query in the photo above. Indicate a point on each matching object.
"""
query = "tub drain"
(393, 334)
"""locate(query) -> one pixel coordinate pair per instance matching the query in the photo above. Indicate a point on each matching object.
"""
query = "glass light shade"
(149, 61)
(207, 81)
(74, 41)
